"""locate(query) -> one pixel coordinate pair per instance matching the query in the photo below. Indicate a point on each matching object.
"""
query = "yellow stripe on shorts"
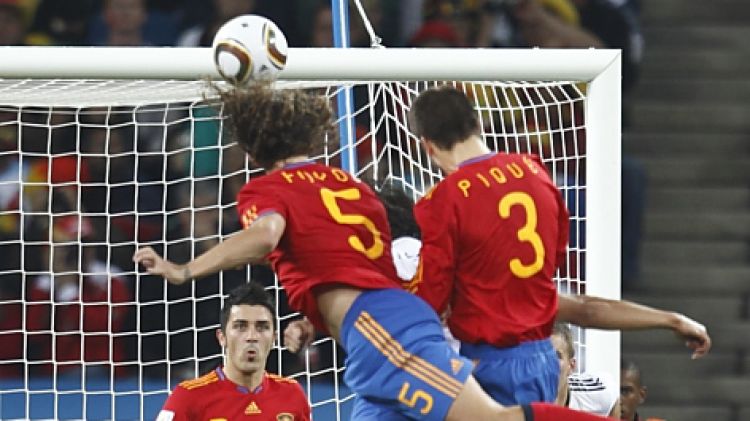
(398, 356)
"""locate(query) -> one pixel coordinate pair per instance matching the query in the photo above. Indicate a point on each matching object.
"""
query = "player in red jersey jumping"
(241, 389)
(327, 238)
(493, 232)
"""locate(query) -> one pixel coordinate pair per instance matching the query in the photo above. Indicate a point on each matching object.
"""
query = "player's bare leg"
(474, 404)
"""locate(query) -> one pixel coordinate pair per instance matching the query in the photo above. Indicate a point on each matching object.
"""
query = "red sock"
(550, 412)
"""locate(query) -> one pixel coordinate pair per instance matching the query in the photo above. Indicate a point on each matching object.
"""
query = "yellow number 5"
(411, 401)
(329, 200)
(527, 233)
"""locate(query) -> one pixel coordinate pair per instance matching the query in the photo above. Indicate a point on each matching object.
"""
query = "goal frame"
(599, 68)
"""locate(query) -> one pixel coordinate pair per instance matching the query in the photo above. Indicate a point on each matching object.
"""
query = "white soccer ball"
(249, 47)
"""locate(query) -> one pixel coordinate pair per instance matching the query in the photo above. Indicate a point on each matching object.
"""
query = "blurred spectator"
(321, 33)
(203, 34)
(464, 19)
(435, 33)
(358, 32)
(131, 23)
(551, 24)
(124, 23)
(320, 29)
(124, 20)
(632, 392)
(12, 25)
(63, 22)
(616, 24)
(71, 312)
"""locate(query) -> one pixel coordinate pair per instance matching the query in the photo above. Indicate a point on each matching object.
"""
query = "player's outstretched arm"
(248, 246)
(601, 313)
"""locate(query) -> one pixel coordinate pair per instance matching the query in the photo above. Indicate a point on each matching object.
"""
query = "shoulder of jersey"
(201, 381)
(585, 382)
(281, 379)
(429, 193)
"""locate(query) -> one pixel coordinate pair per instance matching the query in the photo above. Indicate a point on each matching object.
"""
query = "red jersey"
(215, 397)
(336, 231)
(493, 234)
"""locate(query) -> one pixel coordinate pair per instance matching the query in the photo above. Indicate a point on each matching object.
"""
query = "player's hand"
(695, 335)
(156, 265)
(298, 335)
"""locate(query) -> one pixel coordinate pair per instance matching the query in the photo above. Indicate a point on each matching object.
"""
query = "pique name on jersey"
(497, 175)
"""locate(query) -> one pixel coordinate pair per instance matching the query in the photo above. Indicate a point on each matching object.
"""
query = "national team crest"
(285, 416)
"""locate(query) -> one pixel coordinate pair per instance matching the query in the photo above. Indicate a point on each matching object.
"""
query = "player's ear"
(429, 147)
(573, 363)
(642, 392)
(221, 338)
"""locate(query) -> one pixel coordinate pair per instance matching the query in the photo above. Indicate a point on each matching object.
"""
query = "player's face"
(566, 361)
(632, 394)
(248, 338)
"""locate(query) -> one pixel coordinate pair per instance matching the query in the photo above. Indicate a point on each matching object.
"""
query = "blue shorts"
(522, 374)
(398, 361)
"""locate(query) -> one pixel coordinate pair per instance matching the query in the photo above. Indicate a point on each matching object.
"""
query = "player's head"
(273, 125)
(562, 340)
(398, 207)
(632, 391)
(444, 117)
(247, 328)
(124, 15)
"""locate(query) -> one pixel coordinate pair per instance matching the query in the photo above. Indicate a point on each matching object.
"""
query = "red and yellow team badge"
(249, 216)
(285, 416)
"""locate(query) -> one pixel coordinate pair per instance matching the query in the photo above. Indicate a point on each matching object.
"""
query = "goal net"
(94, 166)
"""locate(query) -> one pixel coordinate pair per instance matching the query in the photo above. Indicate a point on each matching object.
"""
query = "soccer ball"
(249, 47)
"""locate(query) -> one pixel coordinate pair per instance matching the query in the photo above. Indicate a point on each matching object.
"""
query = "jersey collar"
(263, 383)
(476, 159)
(293, 165)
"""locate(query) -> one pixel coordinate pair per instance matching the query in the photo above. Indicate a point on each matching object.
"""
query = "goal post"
(131, 130)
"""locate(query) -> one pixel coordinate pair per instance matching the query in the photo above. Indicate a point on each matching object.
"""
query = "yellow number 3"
(527, 233)
(329, 200)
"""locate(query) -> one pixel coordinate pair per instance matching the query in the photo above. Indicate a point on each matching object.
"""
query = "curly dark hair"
(274, 124)
(444, 116)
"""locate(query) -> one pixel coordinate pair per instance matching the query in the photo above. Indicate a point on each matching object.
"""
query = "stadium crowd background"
(306, 23)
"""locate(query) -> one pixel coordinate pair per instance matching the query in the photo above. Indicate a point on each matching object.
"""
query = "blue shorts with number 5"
(397, 358)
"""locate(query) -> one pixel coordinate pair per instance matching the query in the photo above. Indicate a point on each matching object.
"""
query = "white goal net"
(91, 169)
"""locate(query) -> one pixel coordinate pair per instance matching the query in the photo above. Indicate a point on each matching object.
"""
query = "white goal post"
(528, 99)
